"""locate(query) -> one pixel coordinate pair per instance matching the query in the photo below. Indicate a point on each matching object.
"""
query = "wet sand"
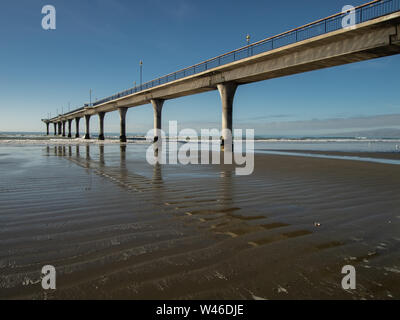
(117, 228)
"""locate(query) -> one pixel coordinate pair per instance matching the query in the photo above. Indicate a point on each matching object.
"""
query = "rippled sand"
(116, 227)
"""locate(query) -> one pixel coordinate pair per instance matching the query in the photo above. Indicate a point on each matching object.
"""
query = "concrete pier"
(370, 38)
(69, 128)
(59, 128)
(101, 119)
(48, 128)
(63, 127)
(87, 121)
(77, 127)
(122, 115)
(157, 107)
(55, 128)
(227, 92)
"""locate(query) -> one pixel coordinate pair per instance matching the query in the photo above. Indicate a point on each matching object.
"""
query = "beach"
(116, 227)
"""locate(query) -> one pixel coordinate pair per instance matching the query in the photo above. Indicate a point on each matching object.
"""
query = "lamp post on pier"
(141, 72)
(248, 42)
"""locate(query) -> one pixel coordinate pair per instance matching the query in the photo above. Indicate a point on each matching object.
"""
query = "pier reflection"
(101, 156)
(122, 151)
(157, 180)
(213, 201)
(225, 188)
(88, 153)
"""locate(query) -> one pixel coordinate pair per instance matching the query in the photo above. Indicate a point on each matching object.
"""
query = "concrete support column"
(157, 107)
(69, 128)
(122, 115)
(101, 119)
(77, 127)
(55, 128)
(227, 93)
(59, 128)
(87, 133)
(63, 128)
(47, 128)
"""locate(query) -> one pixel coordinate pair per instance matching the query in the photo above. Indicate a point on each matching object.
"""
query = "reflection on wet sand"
(122, 228)
(101, 155)
(123, 158)
(88, 154)
(122, 175)
(218, 210)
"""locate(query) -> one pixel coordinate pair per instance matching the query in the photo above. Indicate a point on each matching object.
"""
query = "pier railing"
(75, 110)
(363, 13)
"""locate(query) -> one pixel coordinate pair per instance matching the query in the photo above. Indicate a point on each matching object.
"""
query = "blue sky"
(98, 45)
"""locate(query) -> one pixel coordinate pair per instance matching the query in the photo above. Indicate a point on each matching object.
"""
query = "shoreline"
(383, 157)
